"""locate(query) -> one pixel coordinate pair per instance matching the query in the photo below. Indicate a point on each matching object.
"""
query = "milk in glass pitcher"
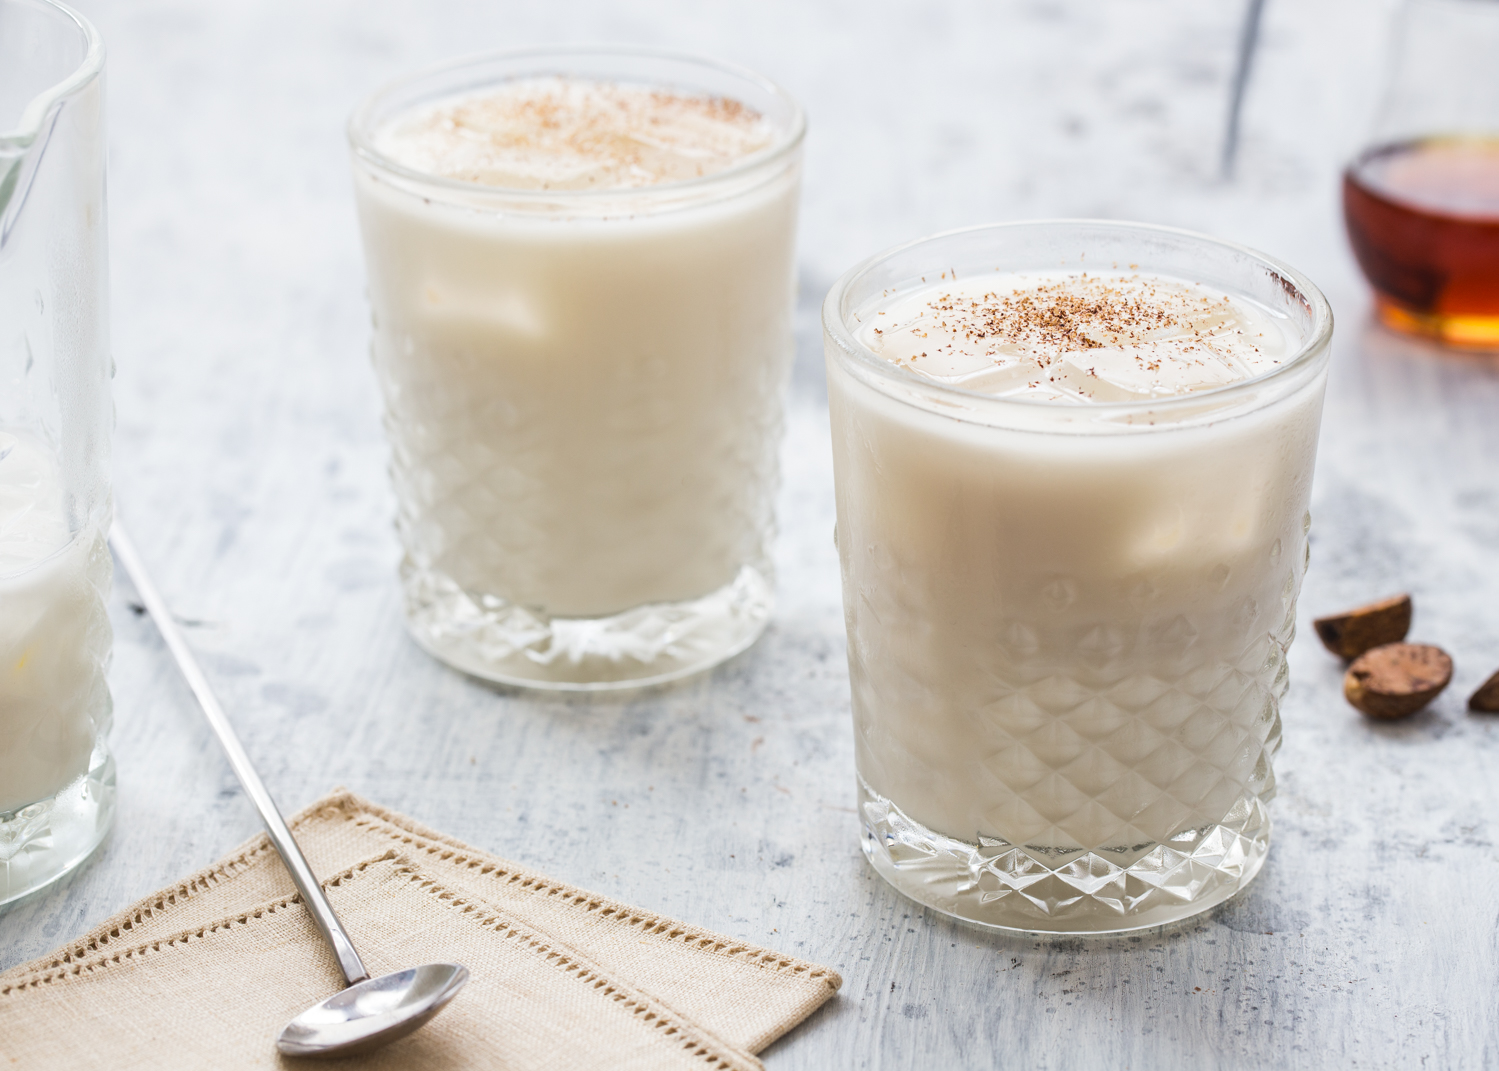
(56, 773)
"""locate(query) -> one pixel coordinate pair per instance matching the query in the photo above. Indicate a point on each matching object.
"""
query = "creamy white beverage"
(54, 631)
(57, 784)
(1068, 621)
(1079, 337)
(583, 336)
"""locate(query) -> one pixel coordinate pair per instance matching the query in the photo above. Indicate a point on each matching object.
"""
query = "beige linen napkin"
(203, 974)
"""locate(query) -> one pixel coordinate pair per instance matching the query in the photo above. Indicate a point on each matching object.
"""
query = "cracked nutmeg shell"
(1397, 679)
(1486, 699)
(1350, 634)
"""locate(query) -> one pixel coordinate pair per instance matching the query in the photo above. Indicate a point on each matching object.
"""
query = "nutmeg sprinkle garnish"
(1078, 336)
(564, 133)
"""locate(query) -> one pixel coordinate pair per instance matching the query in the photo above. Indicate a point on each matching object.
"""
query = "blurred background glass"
(1421, 198)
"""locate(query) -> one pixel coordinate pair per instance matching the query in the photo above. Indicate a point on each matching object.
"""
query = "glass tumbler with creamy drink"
(57, 787)
(1073, 463)
(581, 270)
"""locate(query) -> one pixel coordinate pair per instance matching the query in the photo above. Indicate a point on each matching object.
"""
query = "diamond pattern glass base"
(43, 841)
(1035, 888)
(492, 638)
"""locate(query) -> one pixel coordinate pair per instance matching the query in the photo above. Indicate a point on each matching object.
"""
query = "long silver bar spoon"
(372, 1011)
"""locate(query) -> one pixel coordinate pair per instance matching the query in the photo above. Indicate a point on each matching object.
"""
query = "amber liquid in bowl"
(1423, 219)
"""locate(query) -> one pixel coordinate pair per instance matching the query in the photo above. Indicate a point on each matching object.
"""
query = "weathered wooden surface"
(250, 464)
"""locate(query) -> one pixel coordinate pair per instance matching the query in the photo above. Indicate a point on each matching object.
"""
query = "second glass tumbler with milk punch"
(1072, 520)
(583, 369)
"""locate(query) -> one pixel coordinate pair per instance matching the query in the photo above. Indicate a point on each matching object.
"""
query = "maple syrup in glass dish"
(1421, 195)
(1423, 220)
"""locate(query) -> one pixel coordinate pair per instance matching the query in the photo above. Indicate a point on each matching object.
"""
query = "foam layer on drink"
(1078, 337)
(572, 134)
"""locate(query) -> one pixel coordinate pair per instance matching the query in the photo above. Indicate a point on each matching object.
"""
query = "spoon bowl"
(373, 1012)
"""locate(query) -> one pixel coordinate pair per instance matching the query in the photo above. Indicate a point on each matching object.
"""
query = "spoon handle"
(275, 826)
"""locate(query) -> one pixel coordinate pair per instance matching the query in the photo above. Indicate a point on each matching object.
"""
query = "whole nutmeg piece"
(1397, 679)
(1486, 699)
(1350, 634)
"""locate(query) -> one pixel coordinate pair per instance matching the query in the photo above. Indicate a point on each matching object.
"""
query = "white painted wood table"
(251, 466)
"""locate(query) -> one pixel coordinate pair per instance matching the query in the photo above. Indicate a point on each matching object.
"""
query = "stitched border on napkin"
(516, 1012)
(744, 994)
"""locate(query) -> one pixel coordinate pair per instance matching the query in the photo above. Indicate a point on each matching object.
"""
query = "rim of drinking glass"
(34, 115)
(1315, 343)
(360, 133)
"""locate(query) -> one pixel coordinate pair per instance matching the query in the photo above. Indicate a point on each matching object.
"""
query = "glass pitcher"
(1421, 200)
(56, 773)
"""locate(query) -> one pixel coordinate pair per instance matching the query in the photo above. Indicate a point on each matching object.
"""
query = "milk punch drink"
(56, 772)
(57, 780)
(54, 631)
(581, 270)
(1073, 463)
